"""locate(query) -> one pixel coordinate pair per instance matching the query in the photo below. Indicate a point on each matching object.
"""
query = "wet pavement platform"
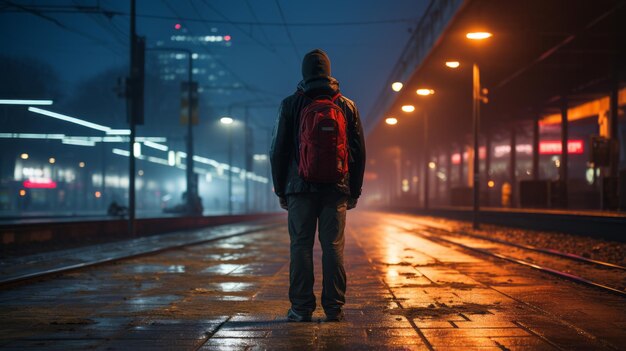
(405, 292)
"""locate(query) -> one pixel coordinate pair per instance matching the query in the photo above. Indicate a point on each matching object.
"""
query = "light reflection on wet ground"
(404, 292)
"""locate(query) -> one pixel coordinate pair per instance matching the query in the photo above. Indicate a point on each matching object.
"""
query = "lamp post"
(227, 121)
(477, 98)
(192, 190)
(426, 92)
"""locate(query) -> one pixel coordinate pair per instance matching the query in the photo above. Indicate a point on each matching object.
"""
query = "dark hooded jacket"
(285, 144)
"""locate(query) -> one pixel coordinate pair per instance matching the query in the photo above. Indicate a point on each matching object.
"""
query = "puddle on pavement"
(225, 268)
(154, 268)
(143, 303)
(441, 309)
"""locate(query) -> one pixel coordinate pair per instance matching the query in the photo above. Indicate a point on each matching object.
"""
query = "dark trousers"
(306, 210)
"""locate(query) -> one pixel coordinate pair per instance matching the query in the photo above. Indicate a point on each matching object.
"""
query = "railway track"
(606, 276)
(24, 278)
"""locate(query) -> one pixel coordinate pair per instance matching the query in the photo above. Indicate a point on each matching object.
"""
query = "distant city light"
(81, 164)
(52, 160)
(259, 157)
(24, 156)
(140, 172)
(171, 158)
(69, 119)
(25, 102)
(424, 92)
(408, 108)
(177, 26)
(478, 35)
(553, 147)
(98, 194)
(391, 121)
(226, 120)
(405, 185)
(227, 37)
(453, 64)
(22, 192)
(39, 183)
(397, 86)
(432, 165)
(491, 183)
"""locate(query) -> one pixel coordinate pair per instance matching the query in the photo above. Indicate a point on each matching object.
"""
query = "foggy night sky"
(260, 56)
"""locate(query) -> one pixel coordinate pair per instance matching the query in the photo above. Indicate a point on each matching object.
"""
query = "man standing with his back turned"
(318, 161)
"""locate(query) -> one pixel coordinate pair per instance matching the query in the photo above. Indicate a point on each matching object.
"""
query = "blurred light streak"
(155, 145)
(25, 102)
(121, 152)
(78, 142)
(118, 132)
(69, 119)
(453, 64)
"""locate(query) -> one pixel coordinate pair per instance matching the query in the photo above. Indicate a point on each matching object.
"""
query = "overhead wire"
(256, 19)
(63, 26)
(247, 23)
(293, 44)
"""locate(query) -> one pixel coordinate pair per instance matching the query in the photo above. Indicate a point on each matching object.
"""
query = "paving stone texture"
(405, 292)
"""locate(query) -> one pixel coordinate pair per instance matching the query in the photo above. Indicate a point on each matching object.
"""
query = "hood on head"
(315, 64)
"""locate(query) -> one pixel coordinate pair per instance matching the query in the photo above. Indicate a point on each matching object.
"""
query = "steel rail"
(9, 282)
(555, 272)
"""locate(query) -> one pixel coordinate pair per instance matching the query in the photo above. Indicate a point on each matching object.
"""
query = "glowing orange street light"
(478, 35)
(424, 92)
(391, 121)
(491, 183)
(97, 194)
(453, 64)
(397, 86)
(408, 108)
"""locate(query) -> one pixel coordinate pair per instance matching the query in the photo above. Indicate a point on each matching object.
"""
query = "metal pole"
(191, 186)
(230, 170)
(130, 106)
(247, 162)
(536, 146)
(426, 162)
(476, 118)
(564, 153)
(513, 165)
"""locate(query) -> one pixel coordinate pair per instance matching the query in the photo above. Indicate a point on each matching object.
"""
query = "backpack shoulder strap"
(334, 98)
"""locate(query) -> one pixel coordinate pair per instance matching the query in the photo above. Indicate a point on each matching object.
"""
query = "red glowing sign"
(40, 184)
(456, 159)
(227, 37)
(177, 26)
(553, 147)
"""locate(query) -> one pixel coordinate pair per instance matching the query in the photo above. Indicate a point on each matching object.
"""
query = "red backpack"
(323, 141)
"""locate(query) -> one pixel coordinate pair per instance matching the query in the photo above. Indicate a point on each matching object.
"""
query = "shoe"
(294, 317)
(335, 317)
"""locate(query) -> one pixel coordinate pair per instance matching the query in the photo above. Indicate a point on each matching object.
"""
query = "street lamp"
(391, 121)
(228, 121)
(397, 86)
(408, 108)
(476, 100)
